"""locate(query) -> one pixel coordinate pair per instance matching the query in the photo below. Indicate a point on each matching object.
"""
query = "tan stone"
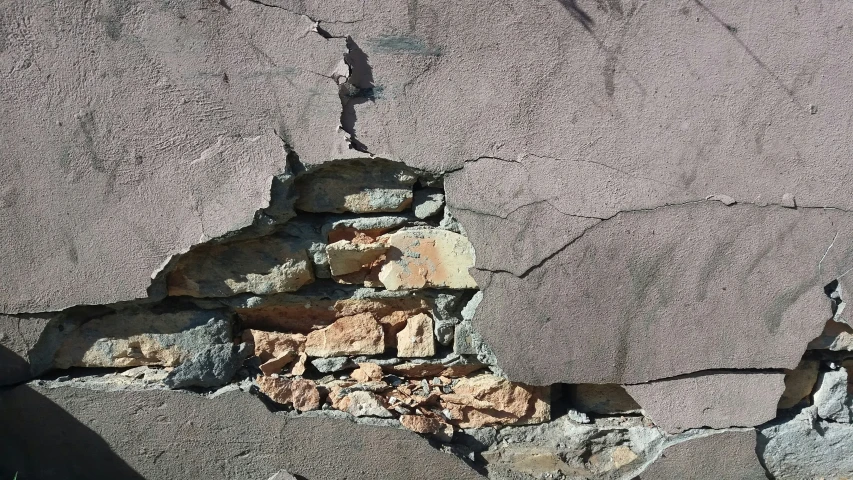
(299, 367)
(535, 461)
(271, 345)
(276, 364)
(421, 370)
(621, 456)
(366, 404)
(427, 258)
(416, 339)
(367, 372)
(356, 335)
(488, 400)
(142, 338)
(421, 423)
(799, 383)
(348, 257)
(271, 265)
(303, 394)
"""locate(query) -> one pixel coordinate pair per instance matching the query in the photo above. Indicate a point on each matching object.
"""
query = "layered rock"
(359, 334)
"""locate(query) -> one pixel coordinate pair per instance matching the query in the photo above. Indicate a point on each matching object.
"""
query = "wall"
(554, 239)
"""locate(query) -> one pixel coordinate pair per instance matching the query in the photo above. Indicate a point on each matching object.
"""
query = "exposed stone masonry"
(358, 302)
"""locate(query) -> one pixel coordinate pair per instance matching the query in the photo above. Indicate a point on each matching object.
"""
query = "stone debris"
(421, 423)
(332, 364)
(416, 339)
(211, 367)
(356, 335)
(365, 404)
(301, 393)
(799, 383)
(276, 350)
(488, 400)
(427, 258)
(428, 202)
(265, 266)
(832, 396)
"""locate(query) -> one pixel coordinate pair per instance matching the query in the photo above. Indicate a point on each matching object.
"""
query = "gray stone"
(282, 475)
(428, 202)
(711, 399)
(807, 447)
(832, 398)
(836, 336)
(267, 265)
(332, 364)
(449, 222)
(463, 341)
(140, 337)
(714, 456)
(360, 186)
(171, 435)
(444, 332)
(211, 367)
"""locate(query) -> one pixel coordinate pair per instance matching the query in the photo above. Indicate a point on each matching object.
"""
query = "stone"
(603, 399)
(367, 372)
(712, 456)
(134, 338)
(426, 258)
(270, 345)
(799, 383)
(715, 400)
(348, 257)
(428, 202)
(836, 336)
(332, 364)
(416, 339)
(463, 339)
(807, 447)
(488, 400)
(302, 393)
(366, 404)
(211, 367)
(356, 335)
(359, 186)
(261, 266)
(421, 423)
(536, 462)
(832, 398)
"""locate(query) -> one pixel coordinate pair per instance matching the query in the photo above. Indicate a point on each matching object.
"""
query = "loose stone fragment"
(421, 423)
(348, 257)
(360, 186)
(276, 349)
(604, 399)
(832, 398)
(799, 383)
(367, 372)
(366, 404)
(487, 400)
(427, 258)
(302, 393)
(264, 266)
(428, 202)
(416, 339)
(131, 339)
(356, 335)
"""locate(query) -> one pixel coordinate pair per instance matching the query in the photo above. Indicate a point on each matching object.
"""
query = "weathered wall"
(612, 237)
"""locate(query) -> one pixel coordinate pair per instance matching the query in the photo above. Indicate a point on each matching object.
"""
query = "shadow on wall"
(13, 368)
(39, 440)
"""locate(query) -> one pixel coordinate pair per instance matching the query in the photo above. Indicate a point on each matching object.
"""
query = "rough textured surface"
(831, 397)
(789, 447)
(18, 338)
(566, 306)
(211, 367)
(356, 335)
(715, 400)
(260, 267)
(427, 258)
(727, 454)
(486, 400)
(131, 338)
(416, 339)
(70, 433)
